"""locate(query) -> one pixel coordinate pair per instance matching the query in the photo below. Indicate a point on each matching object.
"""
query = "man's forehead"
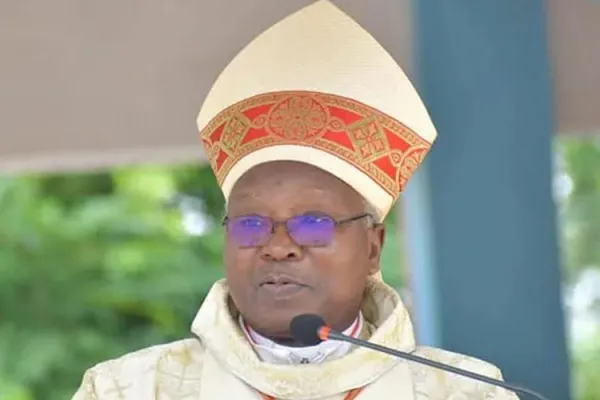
(274, 171)
(290, 176)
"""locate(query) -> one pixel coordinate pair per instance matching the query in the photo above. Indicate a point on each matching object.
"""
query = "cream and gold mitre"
(317, 88)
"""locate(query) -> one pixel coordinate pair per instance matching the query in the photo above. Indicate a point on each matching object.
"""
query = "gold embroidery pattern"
(297, 118)
(369, 139)
(373, 142)
(179, 371)
(234, 133)
(408, 163)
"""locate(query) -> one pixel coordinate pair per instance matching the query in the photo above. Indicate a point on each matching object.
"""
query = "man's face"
(277, 278)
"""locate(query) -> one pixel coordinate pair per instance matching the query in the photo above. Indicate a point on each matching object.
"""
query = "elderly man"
(312, 132)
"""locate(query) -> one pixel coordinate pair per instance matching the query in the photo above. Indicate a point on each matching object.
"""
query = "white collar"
(274, 353)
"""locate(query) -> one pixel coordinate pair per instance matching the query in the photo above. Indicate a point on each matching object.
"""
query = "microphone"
(311, 330)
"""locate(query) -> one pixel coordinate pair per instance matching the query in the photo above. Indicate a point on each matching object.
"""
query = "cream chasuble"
(221, 363)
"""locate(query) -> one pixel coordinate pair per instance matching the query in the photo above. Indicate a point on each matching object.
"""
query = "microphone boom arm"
(332, 335)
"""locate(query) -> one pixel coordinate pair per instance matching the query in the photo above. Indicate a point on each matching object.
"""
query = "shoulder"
(458, 360)
(136, 362)
(446, 384)
(134, 374)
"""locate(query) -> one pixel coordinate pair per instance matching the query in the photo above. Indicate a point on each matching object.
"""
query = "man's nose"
(280, 247)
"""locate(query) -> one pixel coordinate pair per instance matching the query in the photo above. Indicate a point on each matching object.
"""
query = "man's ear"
(376, 240)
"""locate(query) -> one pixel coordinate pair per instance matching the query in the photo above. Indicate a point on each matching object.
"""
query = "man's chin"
(276, 322)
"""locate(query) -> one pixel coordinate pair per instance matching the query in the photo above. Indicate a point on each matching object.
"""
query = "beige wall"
(87, 84)
(574, 33)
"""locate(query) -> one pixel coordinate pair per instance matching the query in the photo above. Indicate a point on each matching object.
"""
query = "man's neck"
(286, 342)
(288, 351)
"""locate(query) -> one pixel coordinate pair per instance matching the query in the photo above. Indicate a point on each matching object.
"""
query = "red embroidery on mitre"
(373, 142)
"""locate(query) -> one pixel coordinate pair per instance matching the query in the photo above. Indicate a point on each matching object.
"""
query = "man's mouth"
(281, 286)
(279, 282)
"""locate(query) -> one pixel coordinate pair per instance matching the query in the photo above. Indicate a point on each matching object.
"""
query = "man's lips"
(281, 286)
(282, 290)
(280, 280)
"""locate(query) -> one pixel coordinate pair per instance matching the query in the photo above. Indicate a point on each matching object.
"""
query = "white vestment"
(221, 363)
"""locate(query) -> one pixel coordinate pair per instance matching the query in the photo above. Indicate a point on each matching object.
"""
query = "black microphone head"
(305, 329)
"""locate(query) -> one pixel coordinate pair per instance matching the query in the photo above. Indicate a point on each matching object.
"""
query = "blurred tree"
(579, 209)
(578, 189)
(93, 266)
(586, 369)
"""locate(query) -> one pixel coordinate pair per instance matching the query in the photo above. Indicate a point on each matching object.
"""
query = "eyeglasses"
(306, 229)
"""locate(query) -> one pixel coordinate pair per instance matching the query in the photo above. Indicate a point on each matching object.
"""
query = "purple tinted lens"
(311, 230)
(250, 230)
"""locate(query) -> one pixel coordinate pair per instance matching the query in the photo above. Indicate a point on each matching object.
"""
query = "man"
(312, 132)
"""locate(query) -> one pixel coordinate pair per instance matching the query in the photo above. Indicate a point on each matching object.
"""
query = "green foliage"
(586, 368)
(94, 266)
(579, 218)
(580, 211)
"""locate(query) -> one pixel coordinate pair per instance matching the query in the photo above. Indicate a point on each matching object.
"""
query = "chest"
(218, 383)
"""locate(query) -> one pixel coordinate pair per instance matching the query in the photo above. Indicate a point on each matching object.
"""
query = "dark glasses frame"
(266, 236)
